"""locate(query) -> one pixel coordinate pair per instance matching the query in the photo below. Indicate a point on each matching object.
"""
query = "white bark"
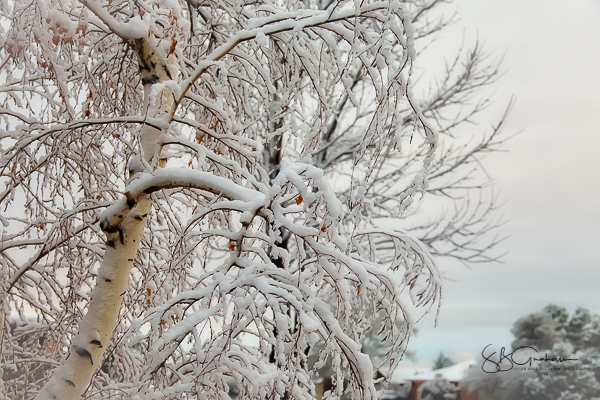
(71, 379)
(124, 228)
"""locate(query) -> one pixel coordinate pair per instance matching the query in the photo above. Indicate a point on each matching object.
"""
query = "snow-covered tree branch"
(202, 193)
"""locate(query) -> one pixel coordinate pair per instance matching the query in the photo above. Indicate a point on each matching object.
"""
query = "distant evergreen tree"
(559, 314)
(576, 339)
(591, 336)
(577, 327)
(571, 380)
(541, 330)
(442, 361)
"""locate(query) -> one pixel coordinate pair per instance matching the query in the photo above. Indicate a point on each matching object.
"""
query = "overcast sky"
(550, 177)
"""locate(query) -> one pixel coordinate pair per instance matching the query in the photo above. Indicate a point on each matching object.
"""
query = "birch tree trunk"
(123, 225)
(70, 380)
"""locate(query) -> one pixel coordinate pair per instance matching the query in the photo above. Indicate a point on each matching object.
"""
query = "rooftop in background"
(453, 373)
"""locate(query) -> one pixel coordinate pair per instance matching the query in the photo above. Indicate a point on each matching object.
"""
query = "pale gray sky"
(550, 177)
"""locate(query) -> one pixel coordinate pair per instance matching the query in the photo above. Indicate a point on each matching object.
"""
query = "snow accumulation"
(402, 374)
(454, 373)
